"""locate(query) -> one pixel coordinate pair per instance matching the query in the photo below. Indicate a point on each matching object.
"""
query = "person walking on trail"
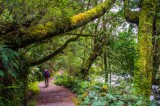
(46, 75)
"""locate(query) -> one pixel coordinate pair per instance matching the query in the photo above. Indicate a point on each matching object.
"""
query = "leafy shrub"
(33, 87)
(35, 74)
(14, 90)
(13, 75)
(115, 96)
(11, 64)
(99, 94)
(64, 80)
(76, 85)
(32, 103)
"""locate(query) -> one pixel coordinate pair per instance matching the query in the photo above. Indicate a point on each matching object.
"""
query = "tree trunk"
(97, 51)
(156, 43)
(106, 67)
(144, 61)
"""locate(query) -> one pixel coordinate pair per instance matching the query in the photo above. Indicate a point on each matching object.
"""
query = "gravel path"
(54, 95)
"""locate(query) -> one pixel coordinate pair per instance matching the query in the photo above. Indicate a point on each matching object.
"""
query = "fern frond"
(1, 73)
(11, 62)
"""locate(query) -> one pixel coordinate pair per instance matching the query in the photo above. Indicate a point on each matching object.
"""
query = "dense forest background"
(108, 49)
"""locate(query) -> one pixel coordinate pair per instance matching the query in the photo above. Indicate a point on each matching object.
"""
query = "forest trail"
(54, 95)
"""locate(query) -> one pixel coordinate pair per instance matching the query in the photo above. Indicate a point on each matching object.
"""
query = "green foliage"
(99, 94)
(33, 91)
(13, 71)
(6, 17)
(11, 94)
(76, 85)
(33, 88)
(32, 103)
(115, 96)
(48, 13)
(122, 53)
(11, 63)
(35, 74)
(21, 11)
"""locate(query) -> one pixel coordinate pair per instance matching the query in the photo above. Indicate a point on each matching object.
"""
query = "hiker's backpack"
(46, 74)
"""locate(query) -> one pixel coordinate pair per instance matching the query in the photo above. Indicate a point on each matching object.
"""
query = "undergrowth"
(33, 87)
(14, 90)
(100, 94)
(13, 77)
(34, 91)
(76, 85)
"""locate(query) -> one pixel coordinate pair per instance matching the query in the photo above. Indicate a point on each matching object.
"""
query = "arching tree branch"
(40, 32)
(40, 61)
(82, 35)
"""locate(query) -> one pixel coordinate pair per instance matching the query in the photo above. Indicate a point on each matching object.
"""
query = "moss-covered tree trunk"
(97, 51)
(144, 62)
(156, 43)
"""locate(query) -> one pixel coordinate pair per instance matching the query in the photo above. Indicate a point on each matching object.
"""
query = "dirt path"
(54, 95)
